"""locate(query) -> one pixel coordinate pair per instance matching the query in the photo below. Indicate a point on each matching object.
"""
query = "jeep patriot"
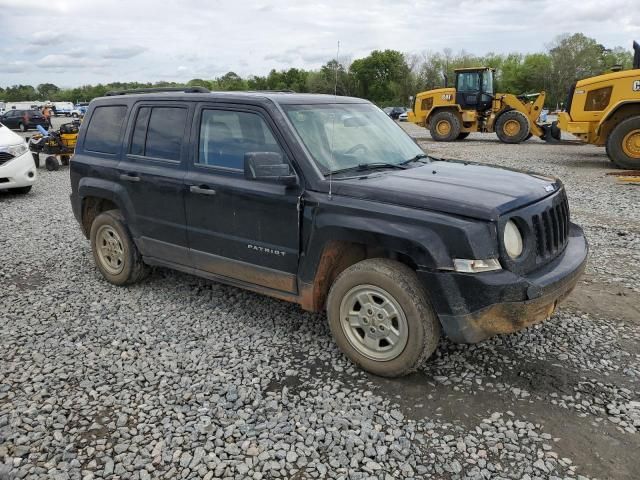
(323, 201)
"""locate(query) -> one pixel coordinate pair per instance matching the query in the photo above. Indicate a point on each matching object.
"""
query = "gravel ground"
(179, 377)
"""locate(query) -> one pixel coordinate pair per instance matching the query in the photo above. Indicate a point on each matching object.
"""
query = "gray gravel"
(179, 377)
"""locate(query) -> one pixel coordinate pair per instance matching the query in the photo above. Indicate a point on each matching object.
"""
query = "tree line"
(390, 77)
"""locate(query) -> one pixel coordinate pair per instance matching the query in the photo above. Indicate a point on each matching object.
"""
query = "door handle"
(202, 190)
(130, 177)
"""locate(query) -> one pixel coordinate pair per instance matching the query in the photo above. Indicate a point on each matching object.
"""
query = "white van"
(63, 108)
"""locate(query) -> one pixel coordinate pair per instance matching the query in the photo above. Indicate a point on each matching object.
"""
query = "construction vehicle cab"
(474, 88)
(473, 106)
(605, 110)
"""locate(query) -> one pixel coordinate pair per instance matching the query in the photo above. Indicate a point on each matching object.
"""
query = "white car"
(17, 168)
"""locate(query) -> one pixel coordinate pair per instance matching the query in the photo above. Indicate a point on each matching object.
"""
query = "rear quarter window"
(104, 130)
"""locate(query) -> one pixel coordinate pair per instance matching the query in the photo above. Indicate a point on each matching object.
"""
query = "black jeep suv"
(326, 202)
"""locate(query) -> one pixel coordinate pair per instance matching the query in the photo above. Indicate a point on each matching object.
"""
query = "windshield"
(344, 136)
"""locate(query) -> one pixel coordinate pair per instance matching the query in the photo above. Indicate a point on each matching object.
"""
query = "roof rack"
(114, 93)
(270, 91)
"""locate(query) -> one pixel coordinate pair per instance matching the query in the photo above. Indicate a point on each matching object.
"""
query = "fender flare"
(612, 110)
(108, 190)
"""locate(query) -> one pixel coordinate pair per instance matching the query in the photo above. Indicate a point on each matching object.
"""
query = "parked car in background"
(395, 112)
(63, 108)
(17, 168)
(23, 120)
(79, 110)
(404, 116)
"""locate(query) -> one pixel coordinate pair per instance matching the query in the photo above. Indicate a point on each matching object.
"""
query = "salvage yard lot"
(179, 377)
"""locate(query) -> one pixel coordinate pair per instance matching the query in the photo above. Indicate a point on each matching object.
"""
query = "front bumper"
(18, 172)
(473, 307)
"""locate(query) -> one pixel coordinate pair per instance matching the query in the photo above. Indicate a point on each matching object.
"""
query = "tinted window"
(226, 136)
(159, 132)
(165, 133)
(140, 132)
(103, 133)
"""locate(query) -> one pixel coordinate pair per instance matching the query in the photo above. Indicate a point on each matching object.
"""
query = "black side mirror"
(268, 166)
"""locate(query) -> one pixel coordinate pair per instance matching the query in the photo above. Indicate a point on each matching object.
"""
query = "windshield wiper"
(362, 167)
(418, 157)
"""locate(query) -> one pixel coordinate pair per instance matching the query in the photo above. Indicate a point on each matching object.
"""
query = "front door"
(240, 229)
(468, 89)
(152, 170)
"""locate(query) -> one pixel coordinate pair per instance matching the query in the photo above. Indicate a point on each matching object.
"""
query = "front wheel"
(380, 317)
(512, 127)
(114, 251)
(21, 190)
(623, 144)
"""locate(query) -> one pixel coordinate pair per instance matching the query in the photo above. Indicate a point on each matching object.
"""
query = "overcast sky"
(75, 42)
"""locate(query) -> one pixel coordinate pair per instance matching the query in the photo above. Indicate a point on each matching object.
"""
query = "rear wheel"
(445, 126)
(114, 251)
(623, 144)
(463, 135)
(512, 127)
(51, 163)
(380, 317)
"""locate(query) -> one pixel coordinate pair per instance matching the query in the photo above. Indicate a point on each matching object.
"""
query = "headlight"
(17, 150)
(512, 240)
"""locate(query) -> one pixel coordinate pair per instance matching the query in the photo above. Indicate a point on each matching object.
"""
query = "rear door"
(152, 171)
(242, 229)
(11, 119)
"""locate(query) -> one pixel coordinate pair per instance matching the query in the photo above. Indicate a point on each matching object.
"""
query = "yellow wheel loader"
(473, 106)
(605, 110)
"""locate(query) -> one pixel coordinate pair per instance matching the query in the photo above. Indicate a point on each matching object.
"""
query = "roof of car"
(276, 97)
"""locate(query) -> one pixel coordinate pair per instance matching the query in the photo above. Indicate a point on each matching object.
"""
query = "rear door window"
(103, 133)
(159, 132)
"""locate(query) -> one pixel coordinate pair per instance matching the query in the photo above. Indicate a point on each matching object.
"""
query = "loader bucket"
(552, 133)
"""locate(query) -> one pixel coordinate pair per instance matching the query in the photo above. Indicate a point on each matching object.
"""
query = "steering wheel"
(355, 148)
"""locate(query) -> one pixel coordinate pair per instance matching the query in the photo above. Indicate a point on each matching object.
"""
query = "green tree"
(381, 76)
(47, 91)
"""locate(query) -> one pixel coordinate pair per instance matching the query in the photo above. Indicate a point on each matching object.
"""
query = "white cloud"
(122, 52)
(67, 62)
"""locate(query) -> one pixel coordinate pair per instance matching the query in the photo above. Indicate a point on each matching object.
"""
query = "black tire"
(22, 127)
(133, 268)
(36, 158)
(626, 131)
(463, 135)
(506, 121)
(439, 130)
(51, 163)
(21, 190)
(401, 284)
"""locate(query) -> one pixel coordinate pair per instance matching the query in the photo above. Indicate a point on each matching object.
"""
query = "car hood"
(7, 137)
(460, 188)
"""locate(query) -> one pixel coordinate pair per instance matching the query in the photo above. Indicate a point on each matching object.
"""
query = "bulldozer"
(605, 110)
(473, 106)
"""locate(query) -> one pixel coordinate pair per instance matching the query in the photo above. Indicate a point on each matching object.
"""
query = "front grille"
(551, 227)
(5, 157)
